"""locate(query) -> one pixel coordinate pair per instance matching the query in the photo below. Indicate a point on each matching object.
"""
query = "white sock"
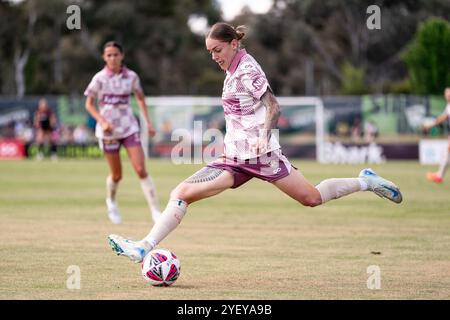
(443, 165)
(111, 188)
(363, 184)
(336, 188)
(169, 220)
(148, 188)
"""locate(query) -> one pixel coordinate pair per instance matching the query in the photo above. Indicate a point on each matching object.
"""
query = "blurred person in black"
(45, 124)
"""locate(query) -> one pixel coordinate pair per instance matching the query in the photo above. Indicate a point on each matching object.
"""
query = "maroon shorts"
(270, 167)
(113, 145)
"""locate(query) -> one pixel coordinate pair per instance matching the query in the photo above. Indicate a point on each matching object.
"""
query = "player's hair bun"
(240, 31)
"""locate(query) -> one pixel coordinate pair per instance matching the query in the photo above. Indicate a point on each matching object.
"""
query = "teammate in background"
(251, 150)
(45, 124)
(116, 125)
(438, 176)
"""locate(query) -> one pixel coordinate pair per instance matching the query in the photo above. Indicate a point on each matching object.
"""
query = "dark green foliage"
(303, 46)
(428, 58)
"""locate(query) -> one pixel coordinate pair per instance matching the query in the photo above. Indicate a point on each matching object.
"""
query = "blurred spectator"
(65, 135)
(65, 139)
(45, 124)
(342, 129)
(24, 131)
(370, 131)
(81, 137)
(166, 130)
(357, 130)
(7, 131)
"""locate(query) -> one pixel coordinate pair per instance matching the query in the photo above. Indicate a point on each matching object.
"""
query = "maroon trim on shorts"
(239, 177)
(270, 167)
(113, 146)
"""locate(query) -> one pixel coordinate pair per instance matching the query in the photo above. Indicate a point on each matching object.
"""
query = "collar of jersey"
(236, 59)
(123, 72)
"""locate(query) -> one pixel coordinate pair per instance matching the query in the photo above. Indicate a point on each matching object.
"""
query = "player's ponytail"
(240, 32)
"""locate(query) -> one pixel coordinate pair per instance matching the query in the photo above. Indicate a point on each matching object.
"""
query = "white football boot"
(113, 211)
(380, 186)
(126, 247)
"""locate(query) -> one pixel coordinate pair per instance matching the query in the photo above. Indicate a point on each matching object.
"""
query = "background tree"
(353, 80)
(303, 46)
(428, 58)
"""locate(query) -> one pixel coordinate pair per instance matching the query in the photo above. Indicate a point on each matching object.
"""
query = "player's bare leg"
(438, 177)
(205, 183)
(40, 144)
(298, 188)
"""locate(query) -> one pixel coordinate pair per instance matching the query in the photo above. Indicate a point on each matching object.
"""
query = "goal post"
(303, 113)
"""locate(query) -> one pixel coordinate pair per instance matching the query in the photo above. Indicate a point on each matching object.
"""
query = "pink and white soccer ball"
(161, 267)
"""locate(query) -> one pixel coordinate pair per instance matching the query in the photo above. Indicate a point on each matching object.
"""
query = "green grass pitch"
(250, 243)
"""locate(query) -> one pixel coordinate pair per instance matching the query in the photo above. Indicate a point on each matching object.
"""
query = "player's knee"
(311, 201)
(141, 172)
(116, 177)
(182, 192)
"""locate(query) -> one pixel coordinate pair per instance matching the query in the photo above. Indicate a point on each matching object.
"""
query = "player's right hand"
(259, 147)
(427, 127)
(151, 131)
(428, 123)
(106, 126)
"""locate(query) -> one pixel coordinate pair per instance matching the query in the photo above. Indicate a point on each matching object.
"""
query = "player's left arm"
(273, 112)
(441, 118)
(270, 123)
(140, 98)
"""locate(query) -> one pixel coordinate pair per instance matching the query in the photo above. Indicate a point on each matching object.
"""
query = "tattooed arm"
(272, 114)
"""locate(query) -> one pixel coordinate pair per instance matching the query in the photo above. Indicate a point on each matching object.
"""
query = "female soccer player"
(438, 177)
(251, 113)
(116, 125)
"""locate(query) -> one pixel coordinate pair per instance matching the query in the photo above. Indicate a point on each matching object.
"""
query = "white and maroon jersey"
(244, 85)
(113, 92)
